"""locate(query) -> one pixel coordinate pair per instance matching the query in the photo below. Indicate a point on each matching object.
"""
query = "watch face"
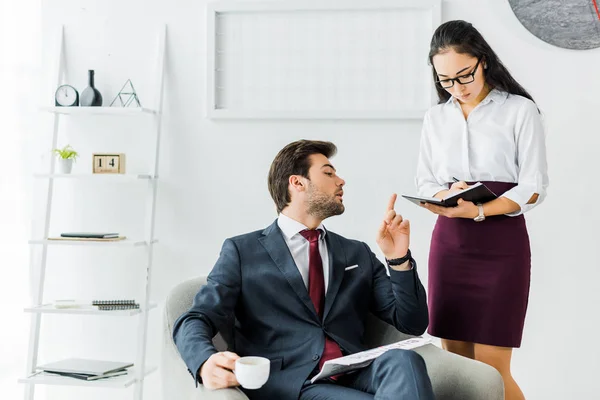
(66, 96)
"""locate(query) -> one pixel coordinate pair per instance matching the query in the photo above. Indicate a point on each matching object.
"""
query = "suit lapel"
(337, 263)
(273, 242)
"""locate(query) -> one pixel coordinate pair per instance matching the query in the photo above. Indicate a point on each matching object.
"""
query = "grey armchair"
(453, 377)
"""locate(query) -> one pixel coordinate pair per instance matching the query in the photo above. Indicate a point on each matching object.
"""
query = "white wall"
(19, 61)
(213, 183)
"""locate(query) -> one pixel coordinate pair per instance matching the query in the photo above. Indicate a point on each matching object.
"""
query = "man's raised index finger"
(392, 202)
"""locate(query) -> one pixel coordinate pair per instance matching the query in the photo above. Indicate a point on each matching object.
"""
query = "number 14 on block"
(109, 163)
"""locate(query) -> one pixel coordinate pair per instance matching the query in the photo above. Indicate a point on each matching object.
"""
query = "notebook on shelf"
(118, 307)
(114, 302)
(88, 377)
(84, 366)
(115, 305)
(108, 239)
(102, 305)
(89, 235)
(476, 193)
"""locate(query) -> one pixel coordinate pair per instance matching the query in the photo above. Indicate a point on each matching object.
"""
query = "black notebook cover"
(90, 235)
(84, 366)
(88, 377)
(477, 193)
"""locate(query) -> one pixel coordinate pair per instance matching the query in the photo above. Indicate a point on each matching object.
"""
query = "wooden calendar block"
(99, 162)
(109, 163)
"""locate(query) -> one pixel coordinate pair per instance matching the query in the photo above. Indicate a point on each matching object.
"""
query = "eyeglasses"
(463, 79)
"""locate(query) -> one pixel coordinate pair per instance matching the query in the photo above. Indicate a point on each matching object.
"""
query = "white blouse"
(501, 140)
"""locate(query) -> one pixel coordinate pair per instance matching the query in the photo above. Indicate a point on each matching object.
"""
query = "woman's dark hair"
(463, 38)
(293, 160)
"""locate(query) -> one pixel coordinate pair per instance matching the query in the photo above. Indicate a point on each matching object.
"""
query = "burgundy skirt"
(479, 274)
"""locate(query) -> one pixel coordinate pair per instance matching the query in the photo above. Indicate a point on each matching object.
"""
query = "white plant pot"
(65, 166)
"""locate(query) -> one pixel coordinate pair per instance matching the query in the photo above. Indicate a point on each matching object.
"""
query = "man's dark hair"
(293, 160)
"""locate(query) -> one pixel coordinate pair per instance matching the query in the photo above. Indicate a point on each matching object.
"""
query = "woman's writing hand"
(458, 186)
(465, 209)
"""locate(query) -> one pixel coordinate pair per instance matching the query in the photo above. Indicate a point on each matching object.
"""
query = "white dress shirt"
(501, 140)
(299, 246)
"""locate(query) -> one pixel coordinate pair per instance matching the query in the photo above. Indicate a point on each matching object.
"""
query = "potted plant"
(66, 156)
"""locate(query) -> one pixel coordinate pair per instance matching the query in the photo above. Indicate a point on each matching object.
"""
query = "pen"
(455, 180)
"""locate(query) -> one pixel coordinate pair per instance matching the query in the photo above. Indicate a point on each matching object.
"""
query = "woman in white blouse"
(486, 128)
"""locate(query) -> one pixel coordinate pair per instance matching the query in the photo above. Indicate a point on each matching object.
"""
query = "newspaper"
(360, 360)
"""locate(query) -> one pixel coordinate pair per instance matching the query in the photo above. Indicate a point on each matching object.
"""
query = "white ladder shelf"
(137, 374)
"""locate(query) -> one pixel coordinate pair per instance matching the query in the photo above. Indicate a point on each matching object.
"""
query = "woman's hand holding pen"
(465, 209)
(457, 186)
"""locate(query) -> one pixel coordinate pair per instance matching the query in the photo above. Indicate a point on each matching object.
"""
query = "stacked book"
(101, 305)
(90, 236)
(84, 369)
(111, 305)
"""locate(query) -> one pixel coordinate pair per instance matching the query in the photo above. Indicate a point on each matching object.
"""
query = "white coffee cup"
(252, 372)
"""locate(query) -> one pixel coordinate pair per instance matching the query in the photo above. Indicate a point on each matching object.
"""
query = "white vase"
(65, 165)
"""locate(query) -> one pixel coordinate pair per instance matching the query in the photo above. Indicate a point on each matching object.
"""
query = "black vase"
(90, 97)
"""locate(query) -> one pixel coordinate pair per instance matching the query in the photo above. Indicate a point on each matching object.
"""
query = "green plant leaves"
(66, 152)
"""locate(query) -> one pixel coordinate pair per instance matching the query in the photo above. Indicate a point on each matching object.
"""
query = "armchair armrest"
(177, 383)
(456, 377)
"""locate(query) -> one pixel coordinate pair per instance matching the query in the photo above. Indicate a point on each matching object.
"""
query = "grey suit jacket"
(256, 298)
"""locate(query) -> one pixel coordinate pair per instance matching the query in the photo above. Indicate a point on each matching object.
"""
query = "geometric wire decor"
(126, 96)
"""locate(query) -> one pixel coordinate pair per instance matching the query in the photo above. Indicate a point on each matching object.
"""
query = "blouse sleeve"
(531, 159)
(425, 180)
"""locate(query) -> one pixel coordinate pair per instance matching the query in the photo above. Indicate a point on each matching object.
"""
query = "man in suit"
(299, 294)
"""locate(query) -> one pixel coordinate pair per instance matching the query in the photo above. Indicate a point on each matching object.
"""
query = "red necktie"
(316, 290)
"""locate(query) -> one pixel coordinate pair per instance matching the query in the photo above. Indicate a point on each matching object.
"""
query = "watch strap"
(399, 261)
(480, 216)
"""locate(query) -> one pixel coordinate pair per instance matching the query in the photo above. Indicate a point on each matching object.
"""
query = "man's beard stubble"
(321, 206)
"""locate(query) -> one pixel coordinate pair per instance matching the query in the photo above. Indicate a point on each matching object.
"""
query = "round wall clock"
(571, 24)
(66, 96)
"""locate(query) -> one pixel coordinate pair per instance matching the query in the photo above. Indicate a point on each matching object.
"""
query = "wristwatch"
(481, 215)
(399, 261)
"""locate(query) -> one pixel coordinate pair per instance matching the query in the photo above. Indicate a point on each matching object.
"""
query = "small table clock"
(113, 163)
(66, 96)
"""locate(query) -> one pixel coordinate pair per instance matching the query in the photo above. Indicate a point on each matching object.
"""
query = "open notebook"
(477, 193)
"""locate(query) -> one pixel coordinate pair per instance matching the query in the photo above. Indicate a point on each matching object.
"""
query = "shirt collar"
(495, 95)
(290, 227)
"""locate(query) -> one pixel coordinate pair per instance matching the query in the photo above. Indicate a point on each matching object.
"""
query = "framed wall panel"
(316, 60)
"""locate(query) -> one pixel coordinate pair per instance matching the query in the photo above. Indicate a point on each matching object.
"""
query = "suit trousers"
(395, 375)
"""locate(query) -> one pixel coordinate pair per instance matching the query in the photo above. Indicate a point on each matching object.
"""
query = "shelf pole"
(38, 281)
(150, 218)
